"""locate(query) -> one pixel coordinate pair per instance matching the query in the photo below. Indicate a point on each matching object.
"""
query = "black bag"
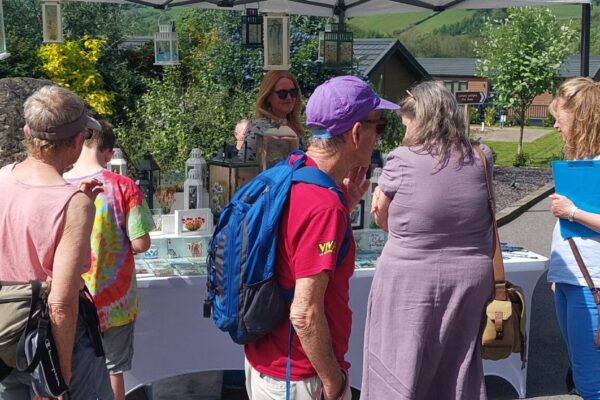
(37, 354)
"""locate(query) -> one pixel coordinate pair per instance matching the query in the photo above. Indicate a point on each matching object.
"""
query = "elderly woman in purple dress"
(434, 277)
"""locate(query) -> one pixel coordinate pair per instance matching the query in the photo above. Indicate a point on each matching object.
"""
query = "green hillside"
(391, 25)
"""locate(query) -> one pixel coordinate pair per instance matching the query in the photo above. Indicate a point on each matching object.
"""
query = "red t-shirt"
(311, 232)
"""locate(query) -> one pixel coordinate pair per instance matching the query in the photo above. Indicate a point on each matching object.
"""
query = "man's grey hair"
(331, 145)
(52, 106)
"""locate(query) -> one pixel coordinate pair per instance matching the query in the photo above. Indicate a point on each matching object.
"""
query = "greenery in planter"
(489, 116)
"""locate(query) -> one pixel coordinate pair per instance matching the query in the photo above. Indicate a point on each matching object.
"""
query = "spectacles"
(380, 127)
(88, 133)
(283, 94)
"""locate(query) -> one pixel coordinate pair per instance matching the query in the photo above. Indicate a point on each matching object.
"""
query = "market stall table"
(172, 337)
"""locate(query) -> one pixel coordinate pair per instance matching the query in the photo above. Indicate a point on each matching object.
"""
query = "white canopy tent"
(356, 8)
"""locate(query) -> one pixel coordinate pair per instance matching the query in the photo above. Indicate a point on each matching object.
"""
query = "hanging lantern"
(336, 46)
(252, 29)
(166, 49)
(276, 41)
(3, 53)
(117, 163)
(52, 21)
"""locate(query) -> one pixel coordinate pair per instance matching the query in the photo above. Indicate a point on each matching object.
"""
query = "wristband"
(572, 213)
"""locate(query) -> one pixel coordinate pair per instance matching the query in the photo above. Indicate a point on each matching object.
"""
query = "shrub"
(521, 160)
(489, 116)
(549, 120)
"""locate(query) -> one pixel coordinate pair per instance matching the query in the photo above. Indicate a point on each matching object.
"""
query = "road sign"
(469, 97)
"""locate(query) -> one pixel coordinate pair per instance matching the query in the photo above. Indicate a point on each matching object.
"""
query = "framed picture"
(193, 222)
(357, 215)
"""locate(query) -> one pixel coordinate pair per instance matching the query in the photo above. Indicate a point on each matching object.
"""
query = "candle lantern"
(226, 176)
(117, 163)
(194, 191)
(274, 145)
(3, 53)
(52, 21)
(197, 162)
(149, 177)
(336, 46)
(276, 42)
(166, 48)
(252, 29)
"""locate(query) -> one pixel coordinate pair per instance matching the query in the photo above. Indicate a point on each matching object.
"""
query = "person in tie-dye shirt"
(121, 228)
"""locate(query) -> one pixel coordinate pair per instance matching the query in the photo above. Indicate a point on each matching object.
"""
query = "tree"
(521, 55)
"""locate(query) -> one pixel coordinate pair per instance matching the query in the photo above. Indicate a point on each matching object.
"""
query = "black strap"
(89, 313)
(38, 305)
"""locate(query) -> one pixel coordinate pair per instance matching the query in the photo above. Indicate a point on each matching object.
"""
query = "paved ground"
(508, 134)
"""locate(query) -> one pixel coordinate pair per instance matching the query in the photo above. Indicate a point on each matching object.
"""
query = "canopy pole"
(340, 10)
(585, 39)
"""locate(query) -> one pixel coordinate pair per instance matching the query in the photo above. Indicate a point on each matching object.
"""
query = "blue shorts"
(89, 381)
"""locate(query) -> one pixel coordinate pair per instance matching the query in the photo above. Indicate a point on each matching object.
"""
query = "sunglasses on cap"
(283, 94)
(380, 125)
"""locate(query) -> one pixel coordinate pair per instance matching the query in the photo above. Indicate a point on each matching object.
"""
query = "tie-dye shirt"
(122, 215)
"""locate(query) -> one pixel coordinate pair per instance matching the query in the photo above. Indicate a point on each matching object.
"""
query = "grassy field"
(388, 24)
(540, 152)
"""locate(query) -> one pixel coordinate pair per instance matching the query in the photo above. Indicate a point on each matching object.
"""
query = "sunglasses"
(283, 94)
(88, 133)
(380, 125)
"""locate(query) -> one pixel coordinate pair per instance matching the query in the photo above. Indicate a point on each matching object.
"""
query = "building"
(389, 65)
(458, 74)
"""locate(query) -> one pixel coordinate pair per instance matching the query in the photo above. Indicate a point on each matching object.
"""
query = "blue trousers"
(578, 320)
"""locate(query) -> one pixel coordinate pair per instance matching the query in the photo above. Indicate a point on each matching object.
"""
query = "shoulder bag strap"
(498, 263)
(584, 271)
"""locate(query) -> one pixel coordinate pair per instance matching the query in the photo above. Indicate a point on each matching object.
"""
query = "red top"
(312, 230)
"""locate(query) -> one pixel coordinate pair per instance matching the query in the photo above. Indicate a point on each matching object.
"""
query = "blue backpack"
(243, 292)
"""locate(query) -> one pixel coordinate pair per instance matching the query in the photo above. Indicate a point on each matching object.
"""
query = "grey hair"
(52, 106)
(331, 145)
(440, 126)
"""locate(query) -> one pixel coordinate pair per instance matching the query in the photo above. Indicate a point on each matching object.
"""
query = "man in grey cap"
(344, 115)
(45, 235)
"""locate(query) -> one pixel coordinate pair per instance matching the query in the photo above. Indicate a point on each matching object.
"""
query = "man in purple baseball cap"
(344, 115)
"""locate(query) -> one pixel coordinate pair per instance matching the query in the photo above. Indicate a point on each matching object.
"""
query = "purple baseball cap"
(336, 105)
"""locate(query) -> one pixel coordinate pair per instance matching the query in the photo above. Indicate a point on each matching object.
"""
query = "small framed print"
(357, 215)
(193, 222)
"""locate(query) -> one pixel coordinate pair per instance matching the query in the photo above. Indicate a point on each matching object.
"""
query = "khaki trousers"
(264, 387)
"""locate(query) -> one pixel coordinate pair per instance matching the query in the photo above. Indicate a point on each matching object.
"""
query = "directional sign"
(469, 97)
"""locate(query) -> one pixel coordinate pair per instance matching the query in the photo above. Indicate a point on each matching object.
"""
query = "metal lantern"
(197, 161)
(117, 163)
(3, 53)
(335, 46)
(194, 191)
(149, 177)
(276, 42)
(226, 176)
(274, 145)
(166, 48)
(252, 29)
(52, 21)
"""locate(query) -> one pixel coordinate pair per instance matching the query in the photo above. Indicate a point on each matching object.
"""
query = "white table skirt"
(172, 337)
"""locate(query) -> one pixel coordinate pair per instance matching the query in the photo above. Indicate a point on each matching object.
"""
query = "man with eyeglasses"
(344, 115)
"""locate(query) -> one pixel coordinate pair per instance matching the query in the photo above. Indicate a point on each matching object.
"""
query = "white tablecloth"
(172, 337)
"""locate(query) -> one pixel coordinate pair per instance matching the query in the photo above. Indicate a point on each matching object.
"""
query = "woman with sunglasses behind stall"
(434, 276)
(278, 104)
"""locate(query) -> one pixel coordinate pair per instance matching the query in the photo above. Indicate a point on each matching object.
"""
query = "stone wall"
(13, 93)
